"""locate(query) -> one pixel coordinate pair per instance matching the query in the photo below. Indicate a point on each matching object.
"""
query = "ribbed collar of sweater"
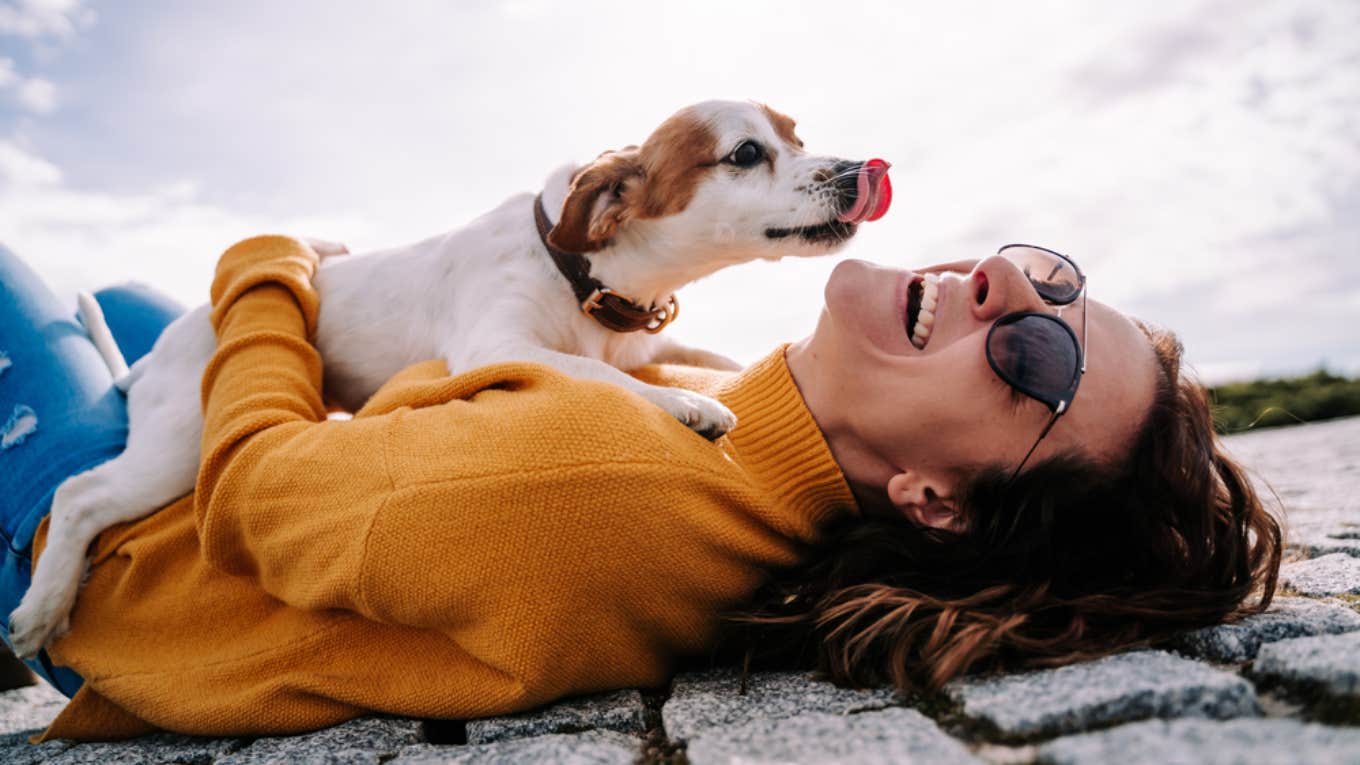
(780, 446)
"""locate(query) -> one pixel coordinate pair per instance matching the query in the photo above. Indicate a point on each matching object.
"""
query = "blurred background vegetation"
(1320, 395)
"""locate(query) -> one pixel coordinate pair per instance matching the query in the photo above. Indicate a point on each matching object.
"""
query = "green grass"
(1285, 401)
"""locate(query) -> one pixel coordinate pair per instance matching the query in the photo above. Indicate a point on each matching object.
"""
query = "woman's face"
(914, 423)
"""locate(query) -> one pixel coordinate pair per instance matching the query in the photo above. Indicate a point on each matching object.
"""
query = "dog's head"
(721, 177)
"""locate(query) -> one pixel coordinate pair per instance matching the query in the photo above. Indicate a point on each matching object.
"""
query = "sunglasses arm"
(1062, 406)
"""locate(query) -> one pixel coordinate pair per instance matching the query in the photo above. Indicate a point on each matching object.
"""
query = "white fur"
(482, 293)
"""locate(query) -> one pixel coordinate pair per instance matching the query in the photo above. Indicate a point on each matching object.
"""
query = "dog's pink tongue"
(873, 193)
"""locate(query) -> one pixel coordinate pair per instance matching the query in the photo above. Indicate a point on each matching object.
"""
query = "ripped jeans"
(59, 412)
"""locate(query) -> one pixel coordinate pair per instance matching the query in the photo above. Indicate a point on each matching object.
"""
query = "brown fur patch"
(585, 225)
(675, 158)
(783, 126)
(652, 181)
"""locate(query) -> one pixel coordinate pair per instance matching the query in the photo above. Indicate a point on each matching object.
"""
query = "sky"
(1200, 160)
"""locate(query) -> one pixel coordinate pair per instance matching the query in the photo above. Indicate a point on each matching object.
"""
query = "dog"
(716, 184)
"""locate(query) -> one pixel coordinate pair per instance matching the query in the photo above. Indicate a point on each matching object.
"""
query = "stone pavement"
(1283, 686)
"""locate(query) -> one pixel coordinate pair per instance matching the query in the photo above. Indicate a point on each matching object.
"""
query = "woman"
(486, 543)
(1129, 525)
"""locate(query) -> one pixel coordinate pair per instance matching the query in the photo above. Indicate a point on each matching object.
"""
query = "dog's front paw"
(699, 413)
(38, 621)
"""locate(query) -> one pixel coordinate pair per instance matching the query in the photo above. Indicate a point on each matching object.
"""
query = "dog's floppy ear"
(601, 199)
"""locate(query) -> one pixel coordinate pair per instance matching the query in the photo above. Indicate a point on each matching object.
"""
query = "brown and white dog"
(716, 184)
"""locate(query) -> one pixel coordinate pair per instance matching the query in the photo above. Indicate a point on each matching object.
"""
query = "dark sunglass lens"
(1037, 355)
(1053, 278)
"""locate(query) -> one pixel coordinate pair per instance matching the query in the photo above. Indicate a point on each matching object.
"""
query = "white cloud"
(35, 94)
(38, 95)
(165, 237)
(1172, 150)
(37, 19)
(21, 170)
(1215, 373)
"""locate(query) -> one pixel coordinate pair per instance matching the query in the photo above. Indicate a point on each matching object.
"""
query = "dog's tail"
(93, 316)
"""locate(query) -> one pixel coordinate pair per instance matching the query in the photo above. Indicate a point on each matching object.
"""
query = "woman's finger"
(325, 248)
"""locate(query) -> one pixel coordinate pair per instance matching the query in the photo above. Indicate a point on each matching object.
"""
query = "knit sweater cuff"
(779, 443)
(266, 259)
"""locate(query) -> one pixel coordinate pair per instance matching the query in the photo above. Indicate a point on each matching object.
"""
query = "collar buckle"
(607, 307)
(651, 320)
(592, 304)
(666, 314)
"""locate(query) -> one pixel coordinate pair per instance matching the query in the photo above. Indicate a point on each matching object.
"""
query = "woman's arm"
(561, 533)
(388, 515)
(282, 493)
(448, 500)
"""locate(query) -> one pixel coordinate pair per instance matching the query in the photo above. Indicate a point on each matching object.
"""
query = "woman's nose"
(1000, 287)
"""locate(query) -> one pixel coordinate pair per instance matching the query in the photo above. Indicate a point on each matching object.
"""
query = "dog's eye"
(746, 154)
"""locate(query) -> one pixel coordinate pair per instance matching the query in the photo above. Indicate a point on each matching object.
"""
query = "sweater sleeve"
(268, 503)
(374, 514)
(448, 500)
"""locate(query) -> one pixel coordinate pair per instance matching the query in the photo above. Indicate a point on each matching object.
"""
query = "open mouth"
(914, 291)
(831, 232)
(922, 297)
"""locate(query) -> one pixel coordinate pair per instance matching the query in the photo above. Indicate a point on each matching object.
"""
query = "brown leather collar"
(609, 308)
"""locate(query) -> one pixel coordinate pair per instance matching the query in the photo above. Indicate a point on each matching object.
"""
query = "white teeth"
(925, 318)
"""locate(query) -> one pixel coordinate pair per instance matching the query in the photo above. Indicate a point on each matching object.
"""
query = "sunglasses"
(1037, 353)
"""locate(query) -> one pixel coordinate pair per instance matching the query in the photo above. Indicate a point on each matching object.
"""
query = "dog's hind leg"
(144, 478)
(157, 467)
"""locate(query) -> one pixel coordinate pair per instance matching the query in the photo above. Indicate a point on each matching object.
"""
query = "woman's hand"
(325, 248)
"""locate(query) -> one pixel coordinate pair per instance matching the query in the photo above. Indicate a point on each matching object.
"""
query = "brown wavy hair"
(1069, 561)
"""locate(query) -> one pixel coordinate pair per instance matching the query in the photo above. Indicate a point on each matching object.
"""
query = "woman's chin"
(866, 305)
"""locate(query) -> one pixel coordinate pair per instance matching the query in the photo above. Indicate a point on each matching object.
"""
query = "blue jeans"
(59, 412)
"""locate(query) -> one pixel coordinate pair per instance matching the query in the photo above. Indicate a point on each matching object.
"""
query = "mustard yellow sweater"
(465, 546)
